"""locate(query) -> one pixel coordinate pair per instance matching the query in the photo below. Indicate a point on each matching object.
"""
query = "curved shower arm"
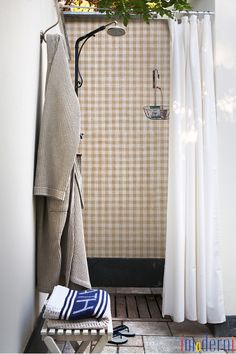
(78, 77)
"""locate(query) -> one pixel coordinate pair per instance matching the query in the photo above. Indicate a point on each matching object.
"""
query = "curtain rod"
(194, 12)
(152, 13)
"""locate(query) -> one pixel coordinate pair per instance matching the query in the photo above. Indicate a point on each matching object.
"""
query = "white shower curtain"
(192, 278)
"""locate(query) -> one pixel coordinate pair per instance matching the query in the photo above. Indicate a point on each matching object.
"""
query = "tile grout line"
(143, 344)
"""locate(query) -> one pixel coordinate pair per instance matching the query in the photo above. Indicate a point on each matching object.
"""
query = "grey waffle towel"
(83, 324)
(61, 254)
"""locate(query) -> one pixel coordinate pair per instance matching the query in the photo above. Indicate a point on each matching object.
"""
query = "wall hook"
(42, 34)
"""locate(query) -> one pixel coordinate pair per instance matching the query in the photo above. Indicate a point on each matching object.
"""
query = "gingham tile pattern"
(125, 155)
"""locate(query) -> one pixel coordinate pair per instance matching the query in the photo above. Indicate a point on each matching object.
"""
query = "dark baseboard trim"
(126, 272)
(226, 329)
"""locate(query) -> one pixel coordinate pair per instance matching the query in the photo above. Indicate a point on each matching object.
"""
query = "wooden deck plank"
(131, 306)
(153, 307)
(142, 306)
(113, 305)
(166, 319)
(159, 301)
(121, 306)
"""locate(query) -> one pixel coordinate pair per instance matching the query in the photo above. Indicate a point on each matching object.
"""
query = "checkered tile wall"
(125, 155)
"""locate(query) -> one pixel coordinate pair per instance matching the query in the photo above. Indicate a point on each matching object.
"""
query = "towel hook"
(42, 34)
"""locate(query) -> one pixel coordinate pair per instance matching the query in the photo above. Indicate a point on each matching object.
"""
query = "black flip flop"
(118, 328)
(118, 339)
(123, 330)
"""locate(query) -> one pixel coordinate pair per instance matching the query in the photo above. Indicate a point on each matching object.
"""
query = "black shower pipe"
(78, 49)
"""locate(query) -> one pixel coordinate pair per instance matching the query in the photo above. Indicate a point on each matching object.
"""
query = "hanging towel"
(61, 253)
(60, 125)
(67, 304)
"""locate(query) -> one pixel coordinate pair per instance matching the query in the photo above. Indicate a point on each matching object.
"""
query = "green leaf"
(123, 8)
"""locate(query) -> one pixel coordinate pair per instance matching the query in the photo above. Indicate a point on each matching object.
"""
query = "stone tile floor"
(157, 336)
(160, 337)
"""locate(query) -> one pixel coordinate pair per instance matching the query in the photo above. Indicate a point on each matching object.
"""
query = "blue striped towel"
(72, 305)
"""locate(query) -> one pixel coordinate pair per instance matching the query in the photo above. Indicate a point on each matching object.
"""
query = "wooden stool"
(78, 338)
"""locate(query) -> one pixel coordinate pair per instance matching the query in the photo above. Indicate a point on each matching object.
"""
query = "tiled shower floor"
(140, 309)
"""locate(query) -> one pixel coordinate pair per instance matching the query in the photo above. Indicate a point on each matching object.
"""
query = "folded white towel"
(66, 304)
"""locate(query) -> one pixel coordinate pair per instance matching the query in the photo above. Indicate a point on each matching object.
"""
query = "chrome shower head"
(115, 30)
